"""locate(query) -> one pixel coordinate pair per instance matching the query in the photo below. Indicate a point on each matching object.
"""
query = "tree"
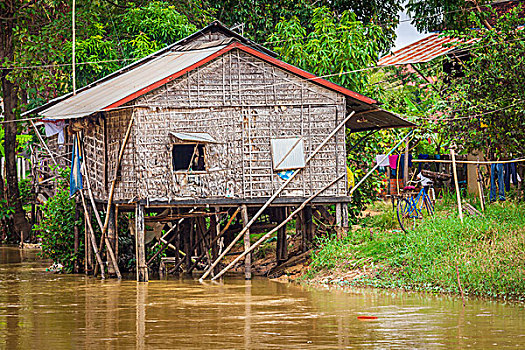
(336, 44)
(486, 100)
(260, 17)
(9, 10)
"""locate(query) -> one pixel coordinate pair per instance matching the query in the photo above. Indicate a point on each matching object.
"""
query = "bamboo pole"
(267, 235)
(92, 236)
(43, 143)
(114, 182)
(272, 198)
(458, 195)
(104, 239)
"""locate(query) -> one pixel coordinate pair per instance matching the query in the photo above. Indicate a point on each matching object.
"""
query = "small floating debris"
(365, 318)
(55, 268)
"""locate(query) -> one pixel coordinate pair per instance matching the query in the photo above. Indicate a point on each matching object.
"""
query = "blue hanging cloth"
(75, 178)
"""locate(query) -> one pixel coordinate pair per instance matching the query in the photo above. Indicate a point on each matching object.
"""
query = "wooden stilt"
(140, 246)
(308, 227)
(338, 220)
(111, 239)
(282, 242)
(299, 229)
(248, 257)
(344, 219)
(187, 245)
(215, 227)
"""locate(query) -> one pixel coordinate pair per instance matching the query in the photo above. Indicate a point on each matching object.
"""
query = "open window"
(287, 153)
(189, 154)
(189, 157)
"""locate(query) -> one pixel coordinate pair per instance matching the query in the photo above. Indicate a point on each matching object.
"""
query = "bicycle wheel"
(404, 214)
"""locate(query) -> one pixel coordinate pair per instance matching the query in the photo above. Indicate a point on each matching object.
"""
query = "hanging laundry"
(75, 178)
(392, 161)
(54, 127)
(382, 160)
(509, 170)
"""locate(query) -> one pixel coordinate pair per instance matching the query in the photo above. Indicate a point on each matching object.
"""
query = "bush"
(56, 229)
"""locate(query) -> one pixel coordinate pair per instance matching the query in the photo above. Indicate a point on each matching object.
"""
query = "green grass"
(489, 252)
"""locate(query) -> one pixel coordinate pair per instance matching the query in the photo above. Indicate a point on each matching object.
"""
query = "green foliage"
(486, 101)
(56, 229)
(488, 251)
(437, 15)
(6, 211)
(25, 188)
(335, 44)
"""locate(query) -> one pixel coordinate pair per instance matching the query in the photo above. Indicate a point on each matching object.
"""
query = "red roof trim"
(264, 57)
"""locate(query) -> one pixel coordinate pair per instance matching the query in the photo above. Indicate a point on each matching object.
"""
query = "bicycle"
(411, 210)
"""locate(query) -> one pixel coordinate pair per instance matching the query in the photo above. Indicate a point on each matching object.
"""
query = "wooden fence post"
(455, 173)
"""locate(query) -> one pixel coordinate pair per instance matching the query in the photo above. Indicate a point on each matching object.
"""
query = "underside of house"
(203, 135)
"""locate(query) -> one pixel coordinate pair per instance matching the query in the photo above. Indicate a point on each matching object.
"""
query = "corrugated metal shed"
(424, 50)
(101, 96)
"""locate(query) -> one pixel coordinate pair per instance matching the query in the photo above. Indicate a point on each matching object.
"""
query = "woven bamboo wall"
(94, 141)
(242, 102)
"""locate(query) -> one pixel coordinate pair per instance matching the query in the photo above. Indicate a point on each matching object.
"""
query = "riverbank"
(486, 252)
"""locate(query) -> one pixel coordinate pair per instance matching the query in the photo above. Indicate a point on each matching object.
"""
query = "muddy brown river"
(40, 310)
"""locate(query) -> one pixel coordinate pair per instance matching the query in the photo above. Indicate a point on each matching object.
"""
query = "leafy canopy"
(486, 100)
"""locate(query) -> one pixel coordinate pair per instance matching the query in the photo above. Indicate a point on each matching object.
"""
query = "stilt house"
(215, 121)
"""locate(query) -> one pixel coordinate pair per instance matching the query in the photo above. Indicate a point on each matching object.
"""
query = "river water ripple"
(39, 310)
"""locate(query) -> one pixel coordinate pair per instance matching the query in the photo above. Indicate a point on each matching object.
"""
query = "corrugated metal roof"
(107, 93)
(424, 50)
(194, 136)
(376, 119)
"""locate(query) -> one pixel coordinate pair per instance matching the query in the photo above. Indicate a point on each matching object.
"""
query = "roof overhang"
(201, 137)
(376, 119)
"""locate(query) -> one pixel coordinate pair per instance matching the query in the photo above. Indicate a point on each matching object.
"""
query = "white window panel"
(287, 153)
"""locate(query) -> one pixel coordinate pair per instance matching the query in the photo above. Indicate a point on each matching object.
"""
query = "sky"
(406, 33)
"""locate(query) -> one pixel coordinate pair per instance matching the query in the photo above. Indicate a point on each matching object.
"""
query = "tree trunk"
(9, 92)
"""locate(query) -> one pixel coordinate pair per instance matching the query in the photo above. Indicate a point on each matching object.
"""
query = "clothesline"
(468, 161)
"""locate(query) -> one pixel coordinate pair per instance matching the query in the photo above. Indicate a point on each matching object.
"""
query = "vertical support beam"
(112, 234)
(455, 173)
(215, 228)
(338, 220)
(140, 246)
(187, 244)
(282, 242)
(299, 229)
(248, 258)
(344, 219)
(308, 225)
